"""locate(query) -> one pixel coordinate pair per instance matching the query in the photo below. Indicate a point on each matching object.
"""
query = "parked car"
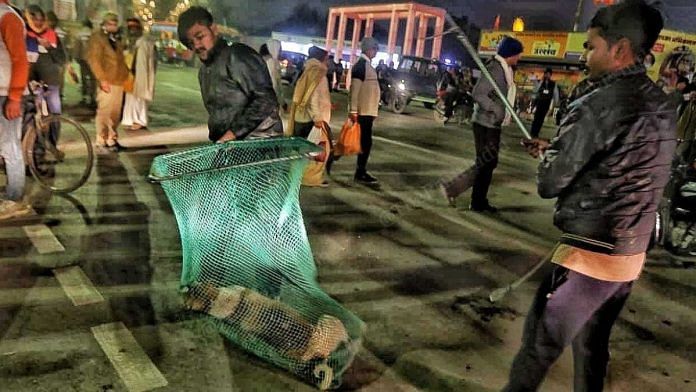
(414, 80)
(291, 64)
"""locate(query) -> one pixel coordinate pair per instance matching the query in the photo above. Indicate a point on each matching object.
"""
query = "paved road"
(89, 301)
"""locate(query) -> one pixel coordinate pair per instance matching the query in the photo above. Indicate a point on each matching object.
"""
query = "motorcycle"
(462, 109)
(675, 228)
(395, 97)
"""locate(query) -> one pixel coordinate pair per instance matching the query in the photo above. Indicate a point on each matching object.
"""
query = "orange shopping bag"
(349, 140)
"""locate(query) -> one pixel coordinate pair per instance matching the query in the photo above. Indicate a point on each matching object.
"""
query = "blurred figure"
(106, 60)
(80, 49)
(53, 23)
(545, 97)
(680, 95)
(141, 61)
(338, 72)
(381, 69)
(270, 51)
(448, 89)
(14, 73)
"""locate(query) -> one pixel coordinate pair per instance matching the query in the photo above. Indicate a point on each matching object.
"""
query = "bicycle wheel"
(63, 166)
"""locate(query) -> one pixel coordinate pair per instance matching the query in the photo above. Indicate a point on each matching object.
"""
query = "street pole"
(578, 15)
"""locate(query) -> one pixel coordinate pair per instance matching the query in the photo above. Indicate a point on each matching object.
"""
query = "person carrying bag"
(311, 113)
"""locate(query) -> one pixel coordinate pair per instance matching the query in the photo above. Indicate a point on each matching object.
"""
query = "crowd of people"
(114, 68)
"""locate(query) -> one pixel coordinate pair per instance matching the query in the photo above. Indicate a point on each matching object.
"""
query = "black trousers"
(365, 142)
(450, 98)
(480, 175)
(487, 142)
(542, 109)
(569, 308)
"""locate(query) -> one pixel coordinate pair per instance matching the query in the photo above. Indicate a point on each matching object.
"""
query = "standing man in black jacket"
(607, 168)
(236, 86)
(546, 95)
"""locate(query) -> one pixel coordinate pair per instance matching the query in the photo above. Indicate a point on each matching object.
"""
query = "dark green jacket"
(238, 93)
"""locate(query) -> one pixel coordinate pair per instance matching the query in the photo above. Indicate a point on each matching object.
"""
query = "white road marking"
(43, 239)
(439, 154)
(132, 363)
(77, 286)
(174, 86)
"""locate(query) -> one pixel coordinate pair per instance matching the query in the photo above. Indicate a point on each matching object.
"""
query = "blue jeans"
(11, 153)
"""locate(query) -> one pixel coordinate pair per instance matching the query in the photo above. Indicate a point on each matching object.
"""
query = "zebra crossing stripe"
(43, 239)
(77, 286)
(133, 365)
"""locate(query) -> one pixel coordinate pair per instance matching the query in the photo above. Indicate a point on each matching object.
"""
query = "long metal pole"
(578, 15)
(484, 71)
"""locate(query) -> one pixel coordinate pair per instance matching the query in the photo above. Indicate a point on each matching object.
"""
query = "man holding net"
(607, 168)
(236, 88)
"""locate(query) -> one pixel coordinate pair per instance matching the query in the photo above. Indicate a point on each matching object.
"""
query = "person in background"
(338, 70)
(364, 104)
(545, 97)
(239, 99)
(270, 51)
(490, 115)
(105, 58)
(80, 49)
(50, 63)
(680, 95)
(14, 73)
(141, 62)
(311, 108)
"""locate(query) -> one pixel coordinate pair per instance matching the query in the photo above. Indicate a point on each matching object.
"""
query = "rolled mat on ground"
(247, 263)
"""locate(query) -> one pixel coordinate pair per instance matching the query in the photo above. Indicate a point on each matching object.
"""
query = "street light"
(518, 25)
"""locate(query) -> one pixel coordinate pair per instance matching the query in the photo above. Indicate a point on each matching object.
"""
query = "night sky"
(538, 14)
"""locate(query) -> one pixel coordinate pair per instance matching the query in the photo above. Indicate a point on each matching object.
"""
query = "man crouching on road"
(236, 88)
(607, 167)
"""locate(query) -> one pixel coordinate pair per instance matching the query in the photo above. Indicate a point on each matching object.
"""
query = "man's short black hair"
(634, 20)
(189, 18)
(548, 71)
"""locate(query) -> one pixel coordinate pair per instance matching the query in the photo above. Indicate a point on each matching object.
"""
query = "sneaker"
(365, 178)
(451, 201)
(12, 209)
(483, 207)
(324, 184)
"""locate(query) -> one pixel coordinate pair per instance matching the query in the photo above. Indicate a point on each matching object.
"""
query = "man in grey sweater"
(488, 118)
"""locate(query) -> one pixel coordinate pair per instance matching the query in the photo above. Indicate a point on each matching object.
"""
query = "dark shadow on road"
(137, 310)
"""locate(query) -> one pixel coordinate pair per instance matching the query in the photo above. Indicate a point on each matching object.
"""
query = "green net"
(247, 263)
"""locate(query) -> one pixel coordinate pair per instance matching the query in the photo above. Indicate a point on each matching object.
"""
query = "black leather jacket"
(238, 93)
(609, 164)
